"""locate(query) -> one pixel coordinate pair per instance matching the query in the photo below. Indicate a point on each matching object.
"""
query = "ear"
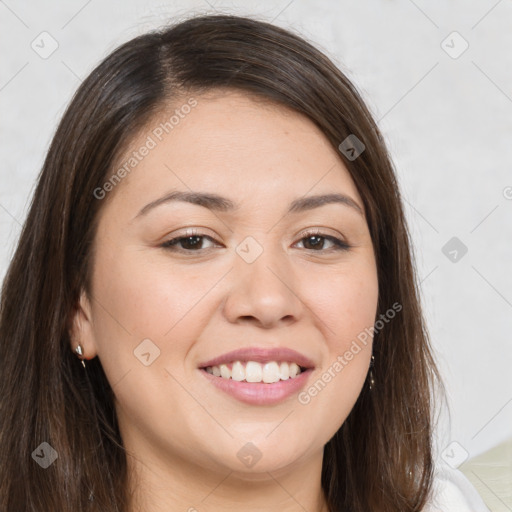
(81, 329)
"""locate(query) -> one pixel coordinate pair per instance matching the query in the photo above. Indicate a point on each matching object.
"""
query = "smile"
(257, 375)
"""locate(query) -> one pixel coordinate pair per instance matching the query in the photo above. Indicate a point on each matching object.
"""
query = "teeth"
(271, 373)
(224, 371)
(255, 372)
(284, 368)
(237, 372)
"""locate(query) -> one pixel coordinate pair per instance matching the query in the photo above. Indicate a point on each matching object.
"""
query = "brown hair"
(381, 457)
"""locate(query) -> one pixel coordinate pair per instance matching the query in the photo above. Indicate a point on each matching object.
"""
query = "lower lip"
(259, 393)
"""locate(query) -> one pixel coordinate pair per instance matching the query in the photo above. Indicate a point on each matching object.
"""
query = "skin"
(182, 434)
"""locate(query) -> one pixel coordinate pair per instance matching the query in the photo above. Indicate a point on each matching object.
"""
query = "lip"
(261, 355)
(259, 393)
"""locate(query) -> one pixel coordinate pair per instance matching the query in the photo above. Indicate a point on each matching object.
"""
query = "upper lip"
(260, 355)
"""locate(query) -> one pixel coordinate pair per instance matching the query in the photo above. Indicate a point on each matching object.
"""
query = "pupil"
(317, 238)
(196, 239)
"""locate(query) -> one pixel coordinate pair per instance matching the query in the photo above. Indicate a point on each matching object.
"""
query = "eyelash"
(171, 245)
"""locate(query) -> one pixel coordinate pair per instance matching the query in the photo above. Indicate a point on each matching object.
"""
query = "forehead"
(234, 145)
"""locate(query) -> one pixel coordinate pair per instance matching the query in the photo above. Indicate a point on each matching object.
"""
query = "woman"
(218, 235)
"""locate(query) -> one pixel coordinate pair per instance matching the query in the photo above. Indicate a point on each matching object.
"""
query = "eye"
(192, 241)
(316, 242)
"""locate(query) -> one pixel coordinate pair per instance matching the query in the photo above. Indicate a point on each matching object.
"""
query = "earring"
(372, 380)
(80, 353)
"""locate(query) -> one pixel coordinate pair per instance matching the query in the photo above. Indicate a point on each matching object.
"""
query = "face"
(178, 286)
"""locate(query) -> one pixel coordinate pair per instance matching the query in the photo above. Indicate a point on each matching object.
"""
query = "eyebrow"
(223, 204)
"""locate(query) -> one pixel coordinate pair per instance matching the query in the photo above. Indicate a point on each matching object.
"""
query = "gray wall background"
(445, 110)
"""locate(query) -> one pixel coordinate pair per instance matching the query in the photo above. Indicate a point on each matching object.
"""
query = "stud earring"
(372, 380)
(80, 353)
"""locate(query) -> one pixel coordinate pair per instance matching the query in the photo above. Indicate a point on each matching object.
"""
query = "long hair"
(381, 458)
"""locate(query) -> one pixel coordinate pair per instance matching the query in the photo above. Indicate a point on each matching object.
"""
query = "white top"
(453, 492)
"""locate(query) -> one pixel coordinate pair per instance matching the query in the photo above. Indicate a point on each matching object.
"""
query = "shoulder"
(453, 492)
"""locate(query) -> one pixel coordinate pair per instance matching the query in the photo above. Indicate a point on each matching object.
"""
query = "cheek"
(345, 304)
(143, 299)
(345, 307)
(142, 308)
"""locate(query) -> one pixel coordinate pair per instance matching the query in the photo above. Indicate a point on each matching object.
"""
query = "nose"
(264, 292)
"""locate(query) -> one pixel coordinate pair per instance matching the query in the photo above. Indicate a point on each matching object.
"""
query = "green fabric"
(491, 475)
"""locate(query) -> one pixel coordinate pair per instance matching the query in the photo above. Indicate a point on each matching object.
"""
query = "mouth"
(258, 376)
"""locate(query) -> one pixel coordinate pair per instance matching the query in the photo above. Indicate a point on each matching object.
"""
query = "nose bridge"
(263, 284)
